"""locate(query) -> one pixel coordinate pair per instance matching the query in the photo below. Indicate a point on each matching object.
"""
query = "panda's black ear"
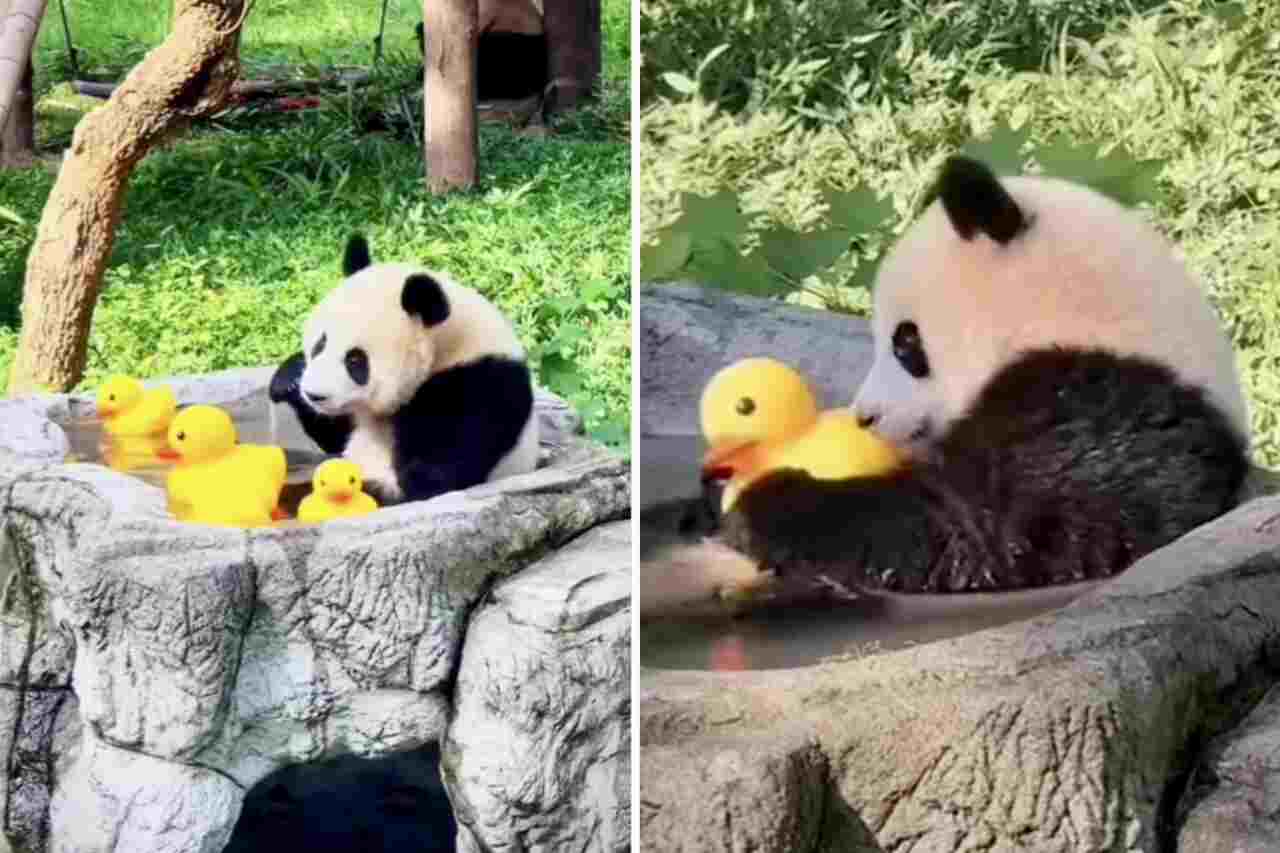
(424, 298)
(976, 202)
(356, 257)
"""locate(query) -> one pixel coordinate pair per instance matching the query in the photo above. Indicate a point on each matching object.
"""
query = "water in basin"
(673, 510)
(136, 456)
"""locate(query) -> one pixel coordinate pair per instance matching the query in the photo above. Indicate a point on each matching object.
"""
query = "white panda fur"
(1076, 406)
(404, 354)
(1088, 273)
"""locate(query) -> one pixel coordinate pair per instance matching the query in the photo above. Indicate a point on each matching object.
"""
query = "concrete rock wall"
(153, 671)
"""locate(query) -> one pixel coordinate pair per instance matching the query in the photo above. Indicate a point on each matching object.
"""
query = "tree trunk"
(573, 51)
(18, 137)
(186, 77)
(449, 93)
(19, 23)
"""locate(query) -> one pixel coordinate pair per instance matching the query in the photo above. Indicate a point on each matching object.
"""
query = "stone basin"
(1105, 724)
(153, 670)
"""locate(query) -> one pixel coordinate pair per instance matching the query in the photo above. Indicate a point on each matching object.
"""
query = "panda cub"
(1069, 398)
(419, 380)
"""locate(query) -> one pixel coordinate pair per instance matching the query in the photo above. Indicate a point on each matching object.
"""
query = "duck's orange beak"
(168, 454)
(724, 461)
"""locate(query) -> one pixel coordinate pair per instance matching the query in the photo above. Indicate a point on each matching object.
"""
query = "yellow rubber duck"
(216, 480)
(758, 415)
(127, 408)
(337, 492)
(132, 452)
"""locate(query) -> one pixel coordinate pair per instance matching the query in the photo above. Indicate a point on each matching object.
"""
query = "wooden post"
(188, 76)
(18, 137)
(449, 93)
(19, 23)
(573, 51)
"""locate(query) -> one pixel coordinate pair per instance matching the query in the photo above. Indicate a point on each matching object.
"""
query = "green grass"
(229, 237)
(112, 37)
(1193, 84)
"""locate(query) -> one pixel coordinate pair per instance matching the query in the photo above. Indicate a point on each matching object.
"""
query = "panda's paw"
(284, 382)
(734, 578)
(381, 493)
(739, 594)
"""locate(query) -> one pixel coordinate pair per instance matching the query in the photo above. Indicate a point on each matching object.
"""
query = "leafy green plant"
(1182, 96)
(797, 54)
(708, 241)
(570, 321)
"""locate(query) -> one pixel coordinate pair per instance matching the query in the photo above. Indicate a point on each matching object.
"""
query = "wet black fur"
(1069, 466)
(976, 202)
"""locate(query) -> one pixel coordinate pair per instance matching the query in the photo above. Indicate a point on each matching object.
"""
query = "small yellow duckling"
(218, 481)
(337, 493)
(758, 415)
(127, 408)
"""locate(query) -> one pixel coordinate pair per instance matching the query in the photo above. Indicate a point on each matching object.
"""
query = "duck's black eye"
(357, 363)
(111, 397)
(351, 481)
(908, 349)
(182, 436)
(746, 406)
(319, 347)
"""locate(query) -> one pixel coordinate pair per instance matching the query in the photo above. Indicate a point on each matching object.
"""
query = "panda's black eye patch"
(357, 363)
(746, 406)
(319, 347)
(908, 349)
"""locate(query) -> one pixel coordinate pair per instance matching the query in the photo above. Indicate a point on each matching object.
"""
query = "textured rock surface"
(688, 332)
(770, 791)
(1233, 805)
(1064, 733)
(536, 757)
(203, 658)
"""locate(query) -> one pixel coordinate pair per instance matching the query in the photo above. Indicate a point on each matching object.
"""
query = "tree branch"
(187, 76)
